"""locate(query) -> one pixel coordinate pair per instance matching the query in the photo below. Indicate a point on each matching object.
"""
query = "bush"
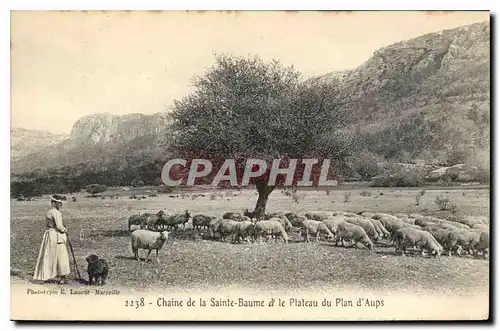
(137, 183)
(366, 165)
(95, 188)
(296, 196)
(347, 196)
(444, 203)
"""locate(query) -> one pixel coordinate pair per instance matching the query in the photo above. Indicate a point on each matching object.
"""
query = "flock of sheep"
(416, 232)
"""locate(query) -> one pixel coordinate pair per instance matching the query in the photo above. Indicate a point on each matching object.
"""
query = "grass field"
(99, 226)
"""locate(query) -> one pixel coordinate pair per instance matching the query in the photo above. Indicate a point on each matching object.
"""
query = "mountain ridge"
(432, 81)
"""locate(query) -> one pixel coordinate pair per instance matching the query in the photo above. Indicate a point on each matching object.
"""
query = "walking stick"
(74, 259)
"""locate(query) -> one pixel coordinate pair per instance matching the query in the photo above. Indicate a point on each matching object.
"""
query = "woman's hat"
(56, 198)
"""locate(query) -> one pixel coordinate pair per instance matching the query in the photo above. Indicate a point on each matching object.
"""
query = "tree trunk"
(264, 191)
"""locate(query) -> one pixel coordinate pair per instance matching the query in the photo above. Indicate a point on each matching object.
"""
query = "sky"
(65, 65)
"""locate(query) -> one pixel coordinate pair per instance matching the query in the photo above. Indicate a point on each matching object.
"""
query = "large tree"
(245, 108)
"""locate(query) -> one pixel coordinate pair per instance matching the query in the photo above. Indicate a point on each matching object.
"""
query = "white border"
(185, 5)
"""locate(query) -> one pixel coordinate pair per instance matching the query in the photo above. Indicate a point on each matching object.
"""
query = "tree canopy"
(245, 108)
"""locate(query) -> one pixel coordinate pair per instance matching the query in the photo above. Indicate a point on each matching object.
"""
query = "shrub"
(347, 196)
(137, 183)
(444, 203)
(296, 196)
(366, 165)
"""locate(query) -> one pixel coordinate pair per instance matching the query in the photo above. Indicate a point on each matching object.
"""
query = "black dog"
(97, 269)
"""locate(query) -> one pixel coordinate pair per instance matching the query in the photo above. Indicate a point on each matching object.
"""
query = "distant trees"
(96, 188)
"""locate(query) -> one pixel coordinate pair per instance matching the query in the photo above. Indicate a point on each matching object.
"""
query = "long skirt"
(53, 259)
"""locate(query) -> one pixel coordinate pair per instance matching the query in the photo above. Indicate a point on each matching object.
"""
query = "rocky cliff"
(106, 128)
(100, 140)
(424, 98)
(24, 142)
(448, 66)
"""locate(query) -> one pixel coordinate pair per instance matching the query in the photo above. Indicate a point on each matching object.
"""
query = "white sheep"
(150, 240)
(382, 231)
(284, 222)
(354, 233)
(344, 213)
(366, 225)
(313, 227)
(318, 215)
(273, 228)
(333, 222)
(410, 237)
(243, 230)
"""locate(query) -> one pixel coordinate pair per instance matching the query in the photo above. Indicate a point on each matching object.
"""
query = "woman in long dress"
(53, 258)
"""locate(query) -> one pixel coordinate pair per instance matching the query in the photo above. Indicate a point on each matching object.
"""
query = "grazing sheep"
(244, 229)
(464, 239)
(482, 247)
(442, 225)
(471, 220)
(408, 220)
(315, 228)
(481, 228)
(202, 221)
(333, 222)
(284, 222)
(150, 240)
(366, 225)
(248, 213)
(226, 228)
(344, 213)
(275, 214)
(390, 222)
(214, 227)
(422, 221)
(379, 216)
(233, 216)
(272, 228)
(295, 219)
(442, 236)
(477, 219)
(354, 233)
(379, 227)
(152, 221)
(396, 226)
(137, 220)
(173, 221)
(409, 237)
(318, 215)
(415, 216)
(456, 224)
(367, 214)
